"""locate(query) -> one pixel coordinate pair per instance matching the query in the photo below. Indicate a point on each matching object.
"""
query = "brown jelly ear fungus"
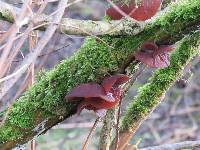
(98, 98)
(153, 55)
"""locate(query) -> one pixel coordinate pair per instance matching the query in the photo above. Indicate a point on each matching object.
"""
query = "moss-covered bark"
(42, 106)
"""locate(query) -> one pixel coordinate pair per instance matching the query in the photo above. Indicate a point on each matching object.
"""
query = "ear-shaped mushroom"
(144, 11)
(92, 96)
(95, 97)
(154, 56)
(114, 81)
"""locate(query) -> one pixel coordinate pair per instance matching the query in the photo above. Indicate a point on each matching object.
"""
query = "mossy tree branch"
(43, 106)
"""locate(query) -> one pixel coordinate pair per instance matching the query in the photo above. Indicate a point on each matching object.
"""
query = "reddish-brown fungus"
(88, 90)
(142, 12)
(96, 97)
(154, 56)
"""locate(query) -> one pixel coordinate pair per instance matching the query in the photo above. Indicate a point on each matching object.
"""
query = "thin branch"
(90, 134)
(15, 51)
(176, 146)
(13, 32)
(123, 13)
(75, 125)
(39, 47)
(76, 27)
(19, 71)
(46, 54)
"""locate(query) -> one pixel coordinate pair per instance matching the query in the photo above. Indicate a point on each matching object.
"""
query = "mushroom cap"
(114, 81)
(88, 91)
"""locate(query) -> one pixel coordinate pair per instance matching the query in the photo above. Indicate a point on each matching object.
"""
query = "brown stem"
(90, 134)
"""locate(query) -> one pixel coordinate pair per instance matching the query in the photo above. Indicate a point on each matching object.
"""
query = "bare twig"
(39, 47)
(123, 13)
(23, 17)
(15, 51)
(21, 41)
(90, 134)
(19, 71)
(46, 54)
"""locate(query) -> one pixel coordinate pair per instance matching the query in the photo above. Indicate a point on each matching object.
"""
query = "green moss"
(9, 132)
(150, 94)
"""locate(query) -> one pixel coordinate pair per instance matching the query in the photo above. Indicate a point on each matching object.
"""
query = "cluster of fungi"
(99, 98)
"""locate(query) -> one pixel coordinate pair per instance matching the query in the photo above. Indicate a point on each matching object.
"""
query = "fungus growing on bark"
(141, 12)
(153, 55)
(97, 97)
